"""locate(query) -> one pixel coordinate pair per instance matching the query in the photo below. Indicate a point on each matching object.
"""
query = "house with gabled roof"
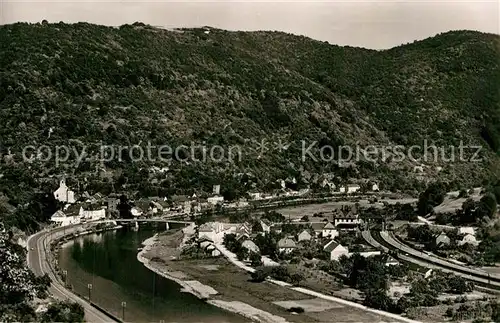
(287, 245)
(63, 219)
(329, 230)
(350, 216)
(92, 214)
(468, 239)
(212, 250)
(466, 230)
(250, 246)
(205, 241)
(336, 250)
(350, 188)
(266, 225)
(207, 231)
(442, 240)
(390, 261)
(304, 236)
(317, 227)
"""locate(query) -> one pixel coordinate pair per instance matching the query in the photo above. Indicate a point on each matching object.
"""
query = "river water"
(109, 262)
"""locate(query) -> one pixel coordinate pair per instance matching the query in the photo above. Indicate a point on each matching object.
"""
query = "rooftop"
(287, 243)
(330, 246)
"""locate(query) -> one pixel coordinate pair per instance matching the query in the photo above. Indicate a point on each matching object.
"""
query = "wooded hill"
(134, 84)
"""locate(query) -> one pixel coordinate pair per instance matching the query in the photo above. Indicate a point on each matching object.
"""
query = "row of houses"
(466, 237)
(68, 217)
(215, 231)
(347, 189)
(333, 248)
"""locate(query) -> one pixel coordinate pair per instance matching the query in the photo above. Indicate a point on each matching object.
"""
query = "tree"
(296, 278)
(489, 203)
(273, 216)
(242, 254)
(463, 193)
(377, 298)
(458, 285)
(231, 243)
(431, 197)
(495, 311)
(255, 259)
(19, 285)
(256, 226)
(64, 311)
(260, 274)
(124, 208)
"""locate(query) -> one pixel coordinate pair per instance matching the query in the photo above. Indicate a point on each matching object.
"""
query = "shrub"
(260, 274)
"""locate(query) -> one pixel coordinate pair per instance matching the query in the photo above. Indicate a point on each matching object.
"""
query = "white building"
(336, 250)
(215, 230)
(366, 254)
(375, 188)
(64, 194)
(286, 245)
(155, 207)
(92, 215)
(351, 188)
(466, 230)
(304, 236)
(390, 261)
(135, 212)
(329, 230)
(327, 183)
(266, 226)
(468, 239)
(214, 200)
(214, 252)
(187, 207)
(351, 217)
(255, 196)
(216, 189)
(62, 219)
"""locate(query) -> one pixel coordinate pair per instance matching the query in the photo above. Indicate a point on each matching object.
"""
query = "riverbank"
(42, 247)
(202, 291)
(261, 302)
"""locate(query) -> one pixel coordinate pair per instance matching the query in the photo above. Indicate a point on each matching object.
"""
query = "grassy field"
(233, 284)
(296, 212)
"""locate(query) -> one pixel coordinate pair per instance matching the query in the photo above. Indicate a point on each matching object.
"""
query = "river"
(109, 262)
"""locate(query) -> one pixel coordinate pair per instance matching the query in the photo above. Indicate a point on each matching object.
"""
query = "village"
(311, 247)
(87, 207)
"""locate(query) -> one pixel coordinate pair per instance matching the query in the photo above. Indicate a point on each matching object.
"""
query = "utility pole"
(154, 291)
(65, 273)
(124, 304)
(89, 286)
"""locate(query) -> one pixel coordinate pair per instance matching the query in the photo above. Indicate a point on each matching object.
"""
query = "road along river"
(125, 288)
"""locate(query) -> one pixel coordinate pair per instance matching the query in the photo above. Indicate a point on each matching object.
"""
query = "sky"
(369, 23)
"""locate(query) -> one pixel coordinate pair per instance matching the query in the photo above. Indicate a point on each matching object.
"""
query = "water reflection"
(108, 261)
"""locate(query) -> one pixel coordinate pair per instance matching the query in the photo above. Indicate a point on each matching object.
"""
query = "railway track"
(385, 242)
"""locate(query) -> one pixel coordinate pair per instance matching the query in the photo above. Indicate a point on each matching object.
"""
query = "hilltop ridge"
(136, 83)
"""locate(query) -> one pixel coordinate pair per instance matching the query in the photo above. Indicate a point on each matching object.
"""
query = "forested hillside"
(93, 85)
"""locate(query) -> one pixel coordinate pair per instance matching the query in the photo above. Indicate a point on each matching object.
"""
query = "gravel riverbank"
(203, 291)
